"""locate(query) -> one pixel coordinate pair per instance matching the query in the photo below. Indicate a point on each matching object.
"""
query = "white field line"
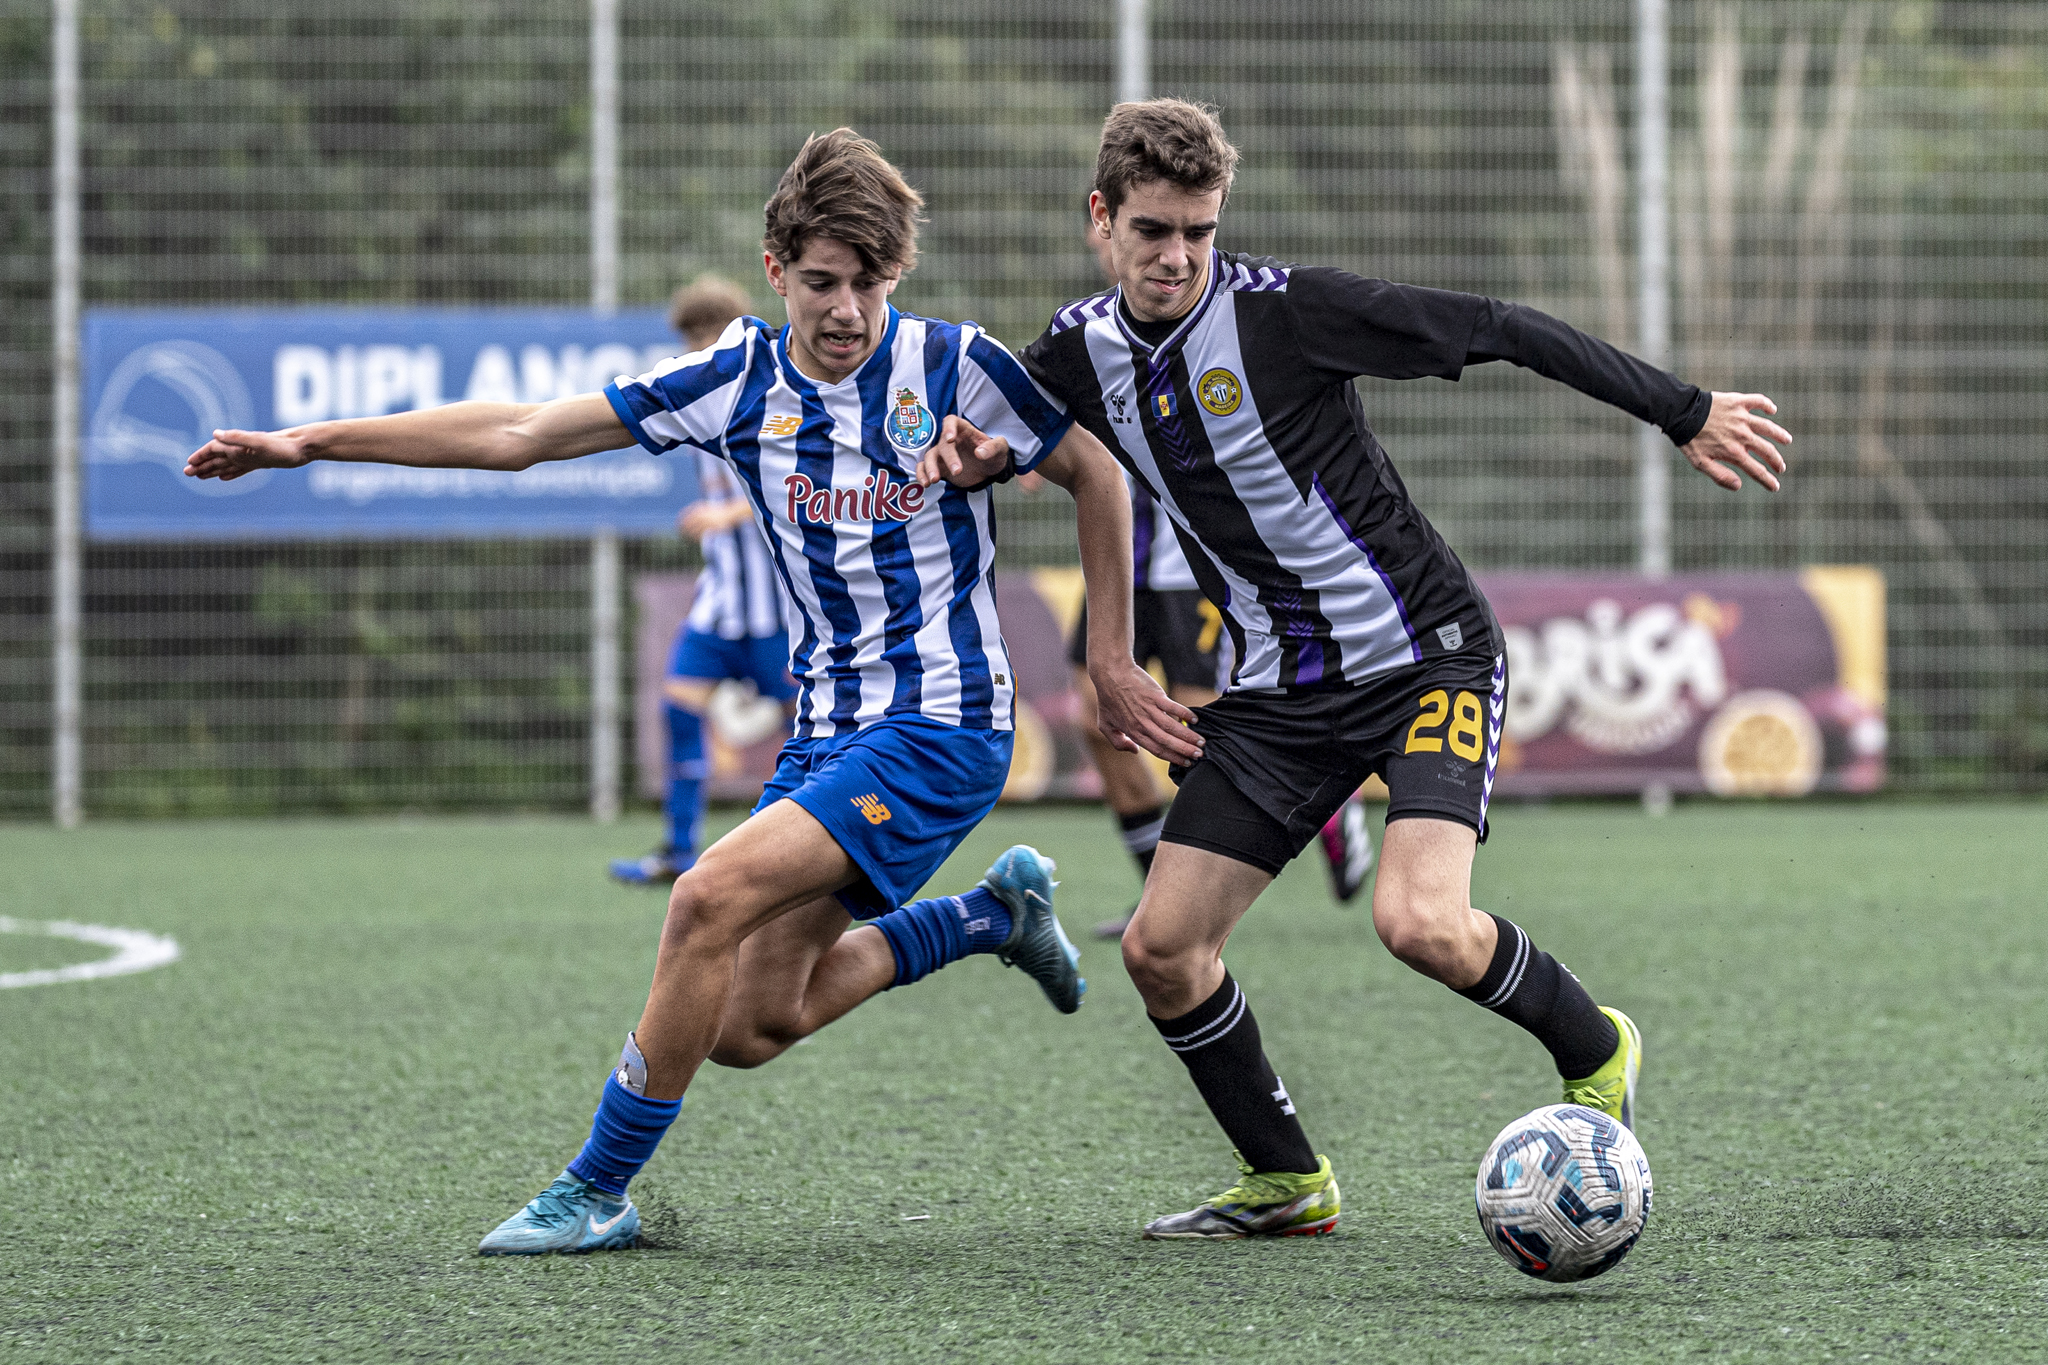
(135, 951)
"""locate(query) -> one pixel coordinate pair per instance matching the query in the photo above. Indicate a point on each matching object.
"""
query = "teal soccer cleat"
(1022, 880)
(570, 1215)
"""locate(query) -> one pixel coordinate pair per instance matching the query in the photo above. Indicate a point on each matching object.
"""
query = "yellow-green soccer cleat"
(1612, 1089)
(1276, 1204)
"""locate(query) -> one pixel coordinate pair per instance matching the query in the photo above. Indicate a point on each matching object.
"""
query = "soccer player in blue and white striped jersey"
(853, 431)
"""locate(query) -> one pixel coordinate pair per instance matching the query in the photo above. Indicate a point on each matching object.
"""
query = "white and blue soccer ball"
(1563, 1193)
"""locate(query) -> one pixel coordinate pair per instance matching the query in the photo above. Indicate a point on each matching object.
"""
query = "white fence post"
(1653, 283)
(604, 676)
(1133, 52)
(605, 569)
(67, 588)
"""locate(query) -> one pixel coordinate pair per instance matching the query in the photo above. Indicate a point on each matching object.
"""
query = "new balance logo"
(878, 498)
(871, 806)
(781, 426)
(1286, 1104)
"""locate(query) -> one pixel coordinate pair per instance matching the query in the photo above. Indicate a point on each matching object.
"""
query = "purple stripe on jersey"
(1289, 614)
(1308, 664)
(1496, 713)
(1366, 550)
(1143, 526)
(1265, 279)
(1080, 311)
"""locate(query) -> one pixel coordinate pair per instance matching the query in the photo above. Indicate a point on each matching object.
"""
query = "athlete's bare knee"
(1419, 930)
(1163, 975)
(705, 909)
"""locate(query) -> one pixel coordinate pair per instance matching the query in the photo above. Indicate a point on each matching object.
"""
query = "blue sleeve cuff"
(1048, 441)
(630, 419)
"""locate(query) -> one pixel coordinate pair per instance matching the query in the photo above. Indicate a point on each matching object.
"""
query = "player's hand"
(231, 454)
(963, 456)
(1133, 712)
(699, 520)
(1736, 435)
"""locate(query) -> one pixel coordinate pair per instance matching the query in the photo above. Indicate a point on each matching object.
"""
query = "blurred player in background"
(1223, 383)
(842, 426)
(735, 628)
(1181, 631)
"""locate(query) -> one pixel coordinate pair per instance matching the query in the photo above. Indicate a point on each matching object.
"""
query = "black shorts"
(1278, 764)
(1176, 626)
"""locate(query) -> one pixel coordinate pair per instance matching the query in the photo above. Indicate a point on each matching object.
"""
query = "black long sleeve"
(1348, 325)
(1556, 350)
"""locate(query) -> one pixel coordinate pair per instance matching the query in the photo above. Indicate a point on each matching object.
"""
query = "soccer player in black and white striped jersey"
(1223, 383)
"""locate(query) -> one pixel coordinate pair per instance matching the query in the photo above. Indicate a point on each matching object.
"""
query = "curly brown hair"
(841, 186)
(1168, 139)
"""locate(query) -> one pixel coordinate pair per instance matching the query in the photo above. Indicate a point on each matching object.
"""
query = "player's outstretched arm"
(506, 436)
(1132, 711)
(1737, 434)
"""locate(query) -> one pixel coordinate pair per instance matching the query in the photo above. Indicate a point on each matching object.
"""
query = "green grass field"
(383, 1037)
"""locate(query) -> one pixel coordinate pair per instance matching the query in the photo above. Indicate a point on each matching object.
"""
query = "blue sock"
(926, 935)
(686, 772)
(626, 1129)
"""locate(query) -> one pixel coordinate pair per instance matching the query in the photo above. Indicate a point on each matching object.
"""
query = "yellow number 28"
(1467, 725)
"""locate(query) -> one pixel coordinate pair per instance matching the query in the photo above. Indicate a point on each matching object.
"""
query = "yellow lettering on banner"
(1434, 708)
(1468, 734)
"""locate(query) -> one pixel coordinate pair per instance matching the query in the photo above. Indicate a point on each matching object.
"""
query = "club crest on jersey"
(1220, 392)
(910, 425)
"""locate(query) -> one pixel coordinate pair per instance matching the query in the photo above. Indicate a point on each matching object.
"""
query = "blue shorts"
(762, 660)
(898, 796)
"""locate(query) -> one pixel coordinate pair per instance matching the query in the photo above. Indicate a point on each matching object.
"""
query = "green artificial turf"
(383, 1037)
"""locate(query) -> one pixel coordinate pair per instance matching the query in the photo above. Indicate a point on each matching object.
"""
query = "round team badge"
(910, 426)
(1219, 392)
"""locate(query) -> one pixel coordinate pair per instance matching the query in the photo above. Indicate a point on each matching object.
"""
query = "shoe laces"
(559, 1202)
(1587, 1094)
(1258, 1187)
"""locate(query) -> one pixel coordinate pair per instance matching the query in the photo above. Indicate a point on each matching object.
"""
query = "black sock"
(1530, 987)
(1141, 835)
(1219, 1041)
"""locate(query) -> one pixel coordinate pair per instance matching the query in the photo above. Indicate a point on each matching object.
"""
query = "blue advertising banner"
(158, 381)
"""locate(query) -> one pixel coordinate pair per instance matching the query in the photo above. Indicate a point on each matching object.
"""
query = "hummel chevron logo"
(599, 1229)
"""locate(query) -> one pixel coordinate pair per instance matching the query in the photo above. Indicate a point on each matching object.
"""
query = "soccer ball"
(1563, 1193)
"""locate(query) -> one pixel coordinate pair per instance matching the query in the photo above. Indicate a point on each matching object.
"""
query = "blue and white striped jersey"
(893, 610)
(738, 594)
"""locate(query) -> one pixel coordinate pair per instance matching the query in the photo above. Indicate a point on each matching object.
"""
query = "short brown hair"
(841, 186)
(1174, 140)
(701, 309)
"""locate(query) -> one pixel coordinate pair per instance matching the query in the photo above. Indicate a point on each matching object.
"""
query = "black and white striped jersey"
(1242, 420)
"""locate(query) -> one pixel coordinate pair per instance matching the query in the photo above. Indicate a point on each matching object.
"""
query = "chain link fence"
(1860, 210)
